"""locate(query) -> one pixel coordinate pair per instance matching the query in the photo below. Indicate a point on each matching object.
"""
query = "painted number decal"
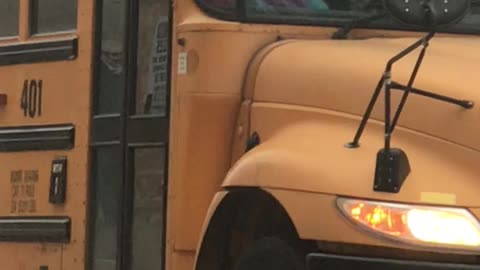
(31, 100)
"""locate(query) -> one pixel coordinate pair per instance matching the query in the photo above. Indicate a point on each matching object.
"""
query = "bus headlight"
(421, 225)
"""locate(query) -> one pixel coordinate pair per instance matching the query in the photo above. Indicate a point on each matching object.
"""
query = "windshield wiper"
(342, 32)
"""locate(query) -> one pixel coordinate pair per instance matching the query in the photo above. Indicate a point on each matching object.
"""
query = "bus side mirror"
(428, 13)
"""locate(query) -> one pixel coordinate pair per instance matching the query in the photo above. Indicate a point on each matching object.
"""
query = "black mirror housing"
(392, 168)
(428, 13)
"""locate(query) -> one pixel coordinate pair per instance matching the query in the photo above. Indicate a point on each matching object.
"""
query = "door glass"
(152, 58)
(109, 95)
(107, 206)
(148, 211)
(9, 12)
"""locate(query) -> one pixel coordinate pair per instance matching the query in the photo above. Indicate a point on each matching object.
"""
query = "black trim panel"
(319, 261)
(106, 129)
(37, 138)
(147, 130)
(39, 52)
(35, 229)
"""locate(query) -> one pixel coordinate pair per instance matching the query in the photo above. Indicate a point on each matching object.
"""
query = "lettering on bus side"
(31, 98)
(23, 186)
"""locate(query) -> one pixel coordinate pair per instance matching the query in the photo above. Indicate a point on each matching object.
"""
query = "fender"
(306, 109)
(301, 163)
(302, 149)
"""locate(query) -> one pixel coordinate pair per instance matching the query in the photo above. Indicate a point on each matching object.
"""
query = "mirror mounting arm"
(392, 165)
(466, 104)
(386, 80)
(423, 42)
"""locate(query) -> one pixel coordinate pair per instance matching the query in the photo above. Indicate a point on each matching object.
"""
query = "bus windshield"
(322, 12)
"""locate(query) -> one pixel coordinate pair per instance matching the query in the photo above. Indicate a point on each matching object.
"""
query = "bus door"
(129, 135)
(45, 88)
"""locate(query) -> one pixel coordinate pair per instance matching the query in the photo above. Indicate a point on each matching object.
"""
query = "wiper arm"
(342, 32)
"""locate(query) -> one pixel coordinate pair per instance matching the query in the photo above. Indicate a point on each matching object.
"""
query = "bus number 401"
(31, 100)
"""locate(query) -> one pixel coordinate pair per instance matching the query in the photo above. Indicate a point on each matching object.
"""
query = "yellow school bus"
(239, 134)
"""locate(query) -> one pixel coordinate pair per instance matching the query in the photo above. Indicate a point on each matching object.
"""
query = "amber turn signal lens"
(431, 226)
(379, 218)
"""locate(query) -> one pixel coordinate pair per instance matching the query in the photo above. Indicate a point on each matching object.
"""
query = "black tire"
(269, 254)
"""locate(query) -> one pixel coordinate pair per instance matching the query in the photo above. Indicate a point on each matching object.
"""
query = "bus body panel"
(204, 107)
(215, 79)
(224, 50)
(293, 162)
(342, 75)
(219, 77)
(64, 100)
(297, 145)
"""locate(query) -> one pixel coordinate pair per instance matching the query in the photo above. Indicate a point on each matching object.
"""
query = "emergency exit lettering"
(23, 185)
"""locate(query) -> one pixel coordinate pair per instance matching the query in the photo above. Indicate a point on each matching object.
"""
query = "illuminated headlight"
(420, 225)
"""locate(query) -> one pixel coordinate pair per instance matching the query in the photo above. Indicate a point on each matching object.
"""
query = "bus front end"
(356, 139)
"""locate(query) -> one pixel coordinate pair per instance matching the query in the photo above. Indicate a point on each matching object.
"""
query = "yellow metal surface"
(30, 256)
(438, 198)
(303, 149)
(297, 98)
(341, 76)
(296, 90)
(66, 99)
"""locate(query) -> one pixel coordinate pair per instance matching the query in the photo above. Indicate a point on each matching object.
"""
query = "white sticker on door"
(182, 63)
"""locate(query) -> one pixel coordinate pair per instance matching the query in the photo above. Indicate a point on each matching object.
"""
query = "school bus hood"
(308, 100)
(341, 76)
(304, 150)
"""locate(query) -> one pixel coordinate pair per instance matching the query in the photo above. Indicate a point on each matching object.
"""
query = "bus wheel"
(269, 253)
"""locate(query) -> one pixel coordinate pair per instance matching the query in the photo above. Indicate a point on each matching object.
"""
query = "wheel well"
(245, 215)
